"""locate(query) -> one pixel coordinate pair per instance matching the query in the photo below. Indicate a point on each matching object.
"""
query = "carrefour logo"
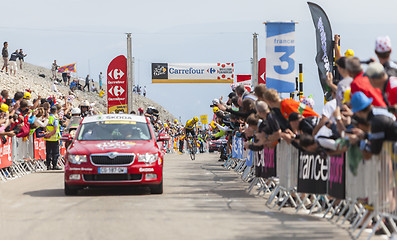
(186, 71)
(211, 70)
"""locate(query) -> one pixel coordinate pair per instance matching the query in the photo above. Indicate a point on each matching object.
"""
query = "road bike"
(192, 147)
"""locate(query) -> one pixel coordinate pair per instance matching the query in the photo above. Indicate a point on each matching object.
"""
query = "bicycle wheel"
(192, 151)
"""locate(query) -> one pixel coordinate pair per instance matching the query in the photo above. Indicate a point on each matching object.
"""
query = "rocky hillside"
(29, 78)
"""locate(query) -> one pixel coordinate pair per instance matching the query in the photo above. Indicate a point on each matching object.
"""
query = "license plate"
(112, 170)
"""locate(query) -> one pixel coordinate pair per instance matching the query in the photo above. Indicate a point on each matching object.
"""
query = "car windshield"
(111, 130)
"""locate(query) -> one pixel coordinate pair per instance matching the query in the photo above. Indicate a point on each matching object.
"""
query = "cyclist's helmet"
(195, 119)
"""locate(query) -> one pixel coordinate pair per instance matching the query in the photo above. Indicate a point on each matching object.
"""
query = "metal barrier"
(370, 186)
(20, 157)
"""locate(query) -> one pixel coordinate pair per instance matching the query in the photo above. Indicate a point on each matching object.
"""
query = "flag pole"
(129, 74)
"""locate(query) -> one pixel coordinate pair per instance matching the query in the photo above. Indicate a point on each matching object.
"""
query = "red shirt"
(391, 91)
(289, 105)
(361, 84)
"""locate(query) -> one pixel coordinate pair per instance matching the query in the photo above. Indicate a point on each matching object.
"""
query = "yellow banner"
(204, 119)
(118, 108)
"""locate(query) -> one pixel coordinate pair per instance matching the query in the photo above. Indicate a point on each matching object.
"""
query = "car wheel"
(157, 189)
(70, 191)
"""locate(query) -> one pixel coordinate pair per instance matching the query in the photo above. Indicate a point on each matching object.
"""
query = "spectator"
(65, 77)
(380, 80)
(361, 83)
(54, 69)
(54, 87)
(73, 85)
(21, 58)
(4, 53)
(144, 91)
(383, 51)
(100, 80)
(380, 122)
(87, 83)
(13, 62)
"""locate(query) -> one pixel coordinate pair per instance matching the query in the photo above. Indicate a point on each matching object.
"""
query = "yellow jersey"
(190, 124)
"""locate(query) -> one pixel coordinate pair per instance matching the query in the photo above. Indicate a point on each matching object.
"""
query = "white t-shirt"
(328, 111)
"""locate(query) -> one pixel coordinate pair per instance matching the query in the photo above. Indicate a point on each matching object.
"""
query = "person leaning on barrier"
(388, 85)
(269, 131)
(381, 123)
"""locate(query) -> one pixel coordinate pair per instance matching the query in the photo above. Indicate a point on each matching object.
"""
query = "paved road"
(201, 201)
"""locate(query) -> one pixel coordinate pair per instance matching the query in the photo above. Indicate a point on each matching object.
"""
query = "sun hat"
(360, 101)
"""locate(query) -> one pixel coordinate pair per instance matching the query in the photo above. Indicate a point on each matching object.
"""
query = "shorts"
(191, 131)
(5, 59)
(13, 65)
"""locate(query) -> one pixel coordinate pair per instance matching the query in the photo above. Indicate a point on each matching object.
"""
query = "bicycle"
(192, 147)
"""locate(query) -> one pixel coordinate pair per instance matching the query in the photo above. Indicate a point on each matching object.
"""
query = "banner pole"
(130, 80)
(300, 81)
(255, 61)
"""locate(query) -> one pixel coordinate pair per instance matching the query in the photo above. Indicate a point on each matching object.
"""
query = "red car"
(114, 149)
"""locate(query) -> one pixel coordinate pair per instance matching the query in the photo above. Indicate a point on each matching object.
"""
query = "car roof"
(114, 117)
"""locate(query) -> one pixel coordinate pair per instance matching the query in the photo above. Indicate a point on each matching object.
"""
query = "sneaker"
(56, 168)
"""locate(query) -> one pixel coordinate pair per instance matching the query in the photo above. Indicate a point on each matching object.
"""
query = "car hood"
(89, 147)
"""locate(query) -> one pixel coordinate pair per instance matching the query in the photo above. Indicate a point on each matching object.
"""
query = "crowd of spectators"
(361, 114)
(22, 116)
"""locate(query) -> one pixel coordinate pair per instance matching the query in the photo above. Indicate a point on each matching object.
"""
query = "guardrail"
(20, 157)
(338, 188)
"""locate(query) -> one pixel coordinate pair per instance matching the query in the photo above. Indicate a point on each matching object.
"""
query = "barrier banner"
(5, 154)
(192, 72)
(250, 158)
(237, 151)
(280, 54)
(336, 181)
(313, 172)
(265, 165)
(39, 148)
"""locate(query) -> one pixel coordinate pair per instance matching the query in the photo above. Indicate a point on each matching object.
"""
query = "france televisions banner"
(192, 72)
(280, 56)
(313, 172)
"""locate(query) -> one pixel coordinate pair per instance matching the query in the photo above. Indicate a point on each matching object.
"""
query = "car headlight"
(77, 159)
(147, 158)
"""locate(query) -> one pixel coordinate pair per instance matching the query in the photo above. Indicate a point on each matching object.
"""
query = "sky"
(92, 32)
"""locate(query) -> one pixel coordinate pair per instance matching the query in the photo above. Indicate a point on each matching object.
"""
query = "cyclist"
(191, 127)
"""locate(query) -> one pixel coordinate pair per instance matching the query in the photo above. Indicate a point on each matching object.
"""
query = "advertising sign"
(262, 71)
(336, 182)
(280, 54)
(237, 151)
(192, 72)
(324, 57)
(245, 80)
(117, 85)
(203, 119)
(5, 154)
(265, 165)
(313, 173)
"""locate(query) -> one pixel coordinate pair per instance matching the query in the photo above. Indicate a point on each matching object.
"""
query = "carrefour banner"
(192, 72)
(280, 55)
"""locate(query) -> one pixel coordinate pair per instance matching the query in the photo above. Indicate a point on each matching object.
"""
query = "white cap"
(374, 70)
(383, 44)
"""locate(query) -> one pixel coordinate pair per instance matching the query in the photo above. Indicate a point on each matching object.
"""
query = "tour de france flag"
(192, 72)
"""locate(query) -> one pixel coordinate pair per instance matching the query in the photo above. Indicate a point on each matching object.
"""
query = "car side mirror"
(66, 138)
(163, 137)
